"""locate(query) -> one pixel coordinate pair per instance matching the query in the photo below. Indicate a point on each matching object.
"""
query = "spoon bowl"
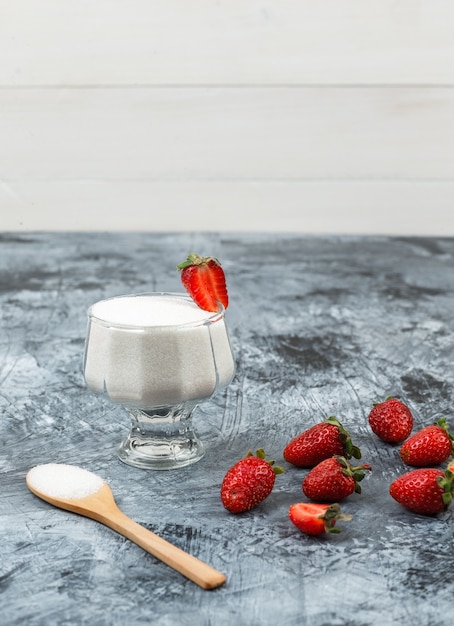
(100, 505)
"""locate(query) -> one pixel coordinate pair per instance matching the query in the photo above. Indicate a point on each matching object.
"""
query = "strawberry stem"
(357, 473)
(260, 453)
(350, 450)
(446, 482)
(443, 424)
(195, 259)
(332, 515)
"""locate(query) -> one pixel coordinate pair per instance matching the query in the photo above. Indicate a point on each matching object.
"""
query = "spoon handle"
(199, 572)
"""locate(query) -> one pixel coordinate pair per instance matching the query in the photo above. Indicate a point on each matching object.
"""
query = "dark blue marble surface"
(319, 326)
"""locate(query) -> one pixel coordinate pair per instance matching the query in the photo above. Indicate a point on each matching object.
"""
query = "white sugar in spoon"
(75, 489)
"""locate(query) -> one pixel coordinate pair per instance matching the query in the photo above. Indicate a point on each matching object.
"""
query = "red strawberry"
(432, 445)
(427, 490)
(204, 280)
(248, 482)
(320, 442)
(315, 519)
(391, 420)
(333, 480)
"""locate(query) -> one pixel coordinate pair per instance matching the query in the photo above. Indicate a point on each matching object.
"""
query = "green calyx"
(260, 454)
(195, 259)
(385, 400)
(443, 424)
(350, 450)
(357, 473)
(332, 515)
(446, 482)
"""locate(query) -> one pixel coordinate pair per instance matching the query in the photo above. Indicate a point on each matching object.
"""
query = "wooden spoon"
(101, 506)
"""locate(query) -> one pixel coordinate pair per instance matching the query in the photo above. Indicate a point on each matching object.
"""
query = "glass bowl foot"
(161, 439)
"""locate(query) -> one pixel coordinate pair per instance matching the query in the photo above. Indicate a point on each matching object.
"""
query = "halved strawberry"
(315, 519)
(204, 280)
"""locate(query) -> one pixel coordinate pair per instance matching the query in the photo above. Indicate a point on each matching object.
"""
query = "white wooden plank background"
(327, 116)
(209, 134)
(217, 42)
(312, 207)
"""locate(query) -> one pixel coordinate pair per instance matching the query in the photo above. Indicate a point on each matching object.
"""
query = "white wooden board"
(327, 116)
(390, 208)
(217, 42)
(227, 134)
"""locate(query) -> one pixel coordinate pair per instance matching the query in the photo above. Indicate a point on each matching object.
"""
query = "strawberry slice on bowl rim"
(204, 280)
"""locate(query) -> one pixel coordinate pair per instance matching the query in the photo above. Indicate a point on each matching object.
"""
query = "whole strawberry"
(426, 490)
(204, 280)
(430, 446)
(333, 480)
(320, 442)
(316, 519)
(248, 482)
(391, 420)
